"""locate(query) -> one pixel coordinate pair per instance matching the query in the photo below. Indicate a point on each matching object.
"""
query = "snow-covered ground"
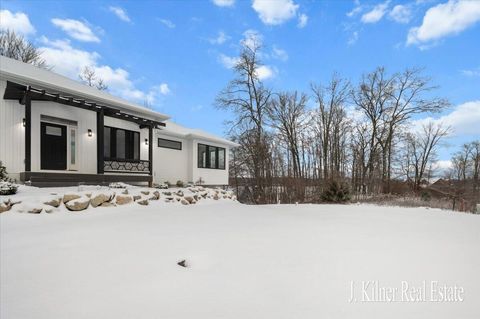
(243, 261)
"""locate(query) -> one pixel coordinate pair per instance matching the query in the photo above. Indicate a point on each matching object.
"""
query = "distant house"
(55, 131)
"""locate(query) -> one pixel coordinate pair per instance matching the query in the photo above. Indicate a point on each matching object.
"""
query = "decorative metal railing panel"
(126, 166)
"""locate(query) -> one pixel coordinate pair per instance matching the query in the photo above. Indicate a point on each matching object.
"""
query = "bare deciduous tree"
(422, 148)
(15, 46)
(90, 78)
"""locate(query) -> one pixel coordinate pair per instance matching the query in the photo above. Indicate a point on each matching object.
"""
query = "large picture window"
(211, 157)
(120, 144)
(174, 145)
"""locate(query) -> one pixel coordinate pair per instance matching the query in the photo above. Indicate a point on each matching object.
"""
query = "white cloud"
(228, 61)
(376, 14)
(18, 22)
(401, 14)
(443, 165)
(463, 120)
(76, 29)
(167, 23)
(353, 38)
(69, 61)
(275, 12)
(120, 13)
(472, 72)
(302, 20)
(265, 72)
(279, 54)
(445, 19)
(252, 38)
(224, 3)
(220, 39)
(164, 89)
(356, 10)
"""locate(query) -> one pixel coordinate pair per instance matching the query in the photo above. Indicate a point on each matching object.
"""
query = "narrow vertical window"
(73, 151)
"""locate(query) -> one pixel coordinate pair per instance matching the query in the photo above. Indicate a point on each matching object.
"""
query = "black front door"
(53, 145)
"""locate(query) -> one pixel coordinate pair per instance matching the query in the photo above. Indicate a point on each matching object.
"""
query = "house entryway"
(53, 145)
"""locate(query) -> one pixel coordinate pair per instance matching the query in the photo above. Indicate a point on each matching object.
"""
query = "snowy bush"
(336, 193)
(7, 188)
(179, 184)
(4, 175)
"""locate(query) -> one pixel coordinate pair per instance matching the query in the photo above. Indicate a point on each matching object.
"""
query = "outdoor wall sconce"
(23, 122)
(146, 141)
(89, 133)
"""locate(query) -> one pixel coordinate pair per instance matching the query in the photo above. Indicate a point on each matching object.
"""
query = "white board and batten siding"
(171, 165)
(12, 134)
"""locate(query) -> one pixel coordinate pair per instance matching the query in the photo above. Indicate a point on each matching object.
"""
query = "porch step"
(40, 179)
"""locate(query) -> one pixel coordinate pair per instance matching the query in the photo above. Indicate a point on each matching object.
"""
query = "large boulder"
(100, 198)
(78, 204)
(53, 202)
(69, 197)
(190, 199)
(5, 206)
(123, 199)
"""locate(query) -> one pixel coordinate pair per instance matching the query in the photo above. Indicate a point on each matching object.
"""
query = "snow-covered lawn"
(243, 261)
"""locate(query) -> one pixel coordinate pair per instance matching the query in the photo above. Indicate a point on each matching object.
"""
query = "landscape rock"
(69, 197)
(78, 204)
(101, 198)
(179, 193)
(54, 202)
(216, 197)
(34, 210)
(167, 193)
(136, 197)
(189, 199)
(145, 192)
(156, 195)
(122, 200)
(143, 202)
(125, 192)
(5, 206)
(184, 202)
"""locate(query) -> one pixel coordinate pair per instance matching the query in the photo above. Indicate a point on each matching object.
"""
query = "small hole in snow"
(183, 263)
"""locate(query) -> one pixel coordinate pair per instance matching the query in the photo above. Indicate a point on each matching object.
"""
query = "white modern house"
(55, 131)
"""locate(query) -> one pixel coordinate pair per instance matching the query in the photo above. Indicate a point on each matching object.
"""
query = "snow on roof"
(173, 129)
(27, 74)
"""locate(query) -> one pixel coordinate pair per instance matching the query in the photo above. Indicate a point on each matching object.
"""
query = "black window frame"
(207, 156)
(113, 145)
(172, 148)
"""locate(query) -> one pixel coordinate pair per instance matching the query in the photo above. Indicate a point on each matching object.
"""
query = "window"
(175, 145)
(120, 144)
(211, 157)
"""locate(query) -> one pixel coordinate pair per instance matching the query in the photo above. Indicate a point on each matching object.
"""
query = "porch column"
(150, 148)
(28, 131)
(100, 140)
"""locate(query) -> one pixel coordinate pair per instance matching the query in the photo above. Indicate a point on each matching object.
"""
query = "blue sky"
(176, 54)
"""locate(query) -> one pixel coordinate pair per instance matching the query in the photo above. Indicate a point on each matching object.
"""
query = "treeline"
(294, 145)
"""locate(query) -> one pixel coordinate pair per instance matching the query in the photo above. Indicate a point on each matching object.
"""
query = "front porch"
(75, 148)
